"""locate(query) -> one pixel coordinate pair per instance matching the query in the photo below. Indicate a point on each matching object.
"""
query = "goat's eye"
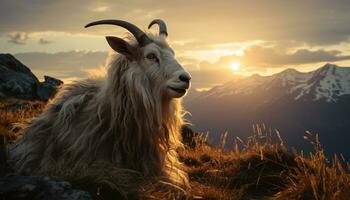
(152, 56)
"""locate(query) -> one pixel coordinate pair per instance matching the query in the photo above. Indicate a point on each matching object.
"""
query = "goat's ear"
(121, 46)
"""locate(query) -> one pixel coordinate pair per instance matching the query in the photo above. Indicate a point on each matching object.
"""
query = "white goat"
(132, 118)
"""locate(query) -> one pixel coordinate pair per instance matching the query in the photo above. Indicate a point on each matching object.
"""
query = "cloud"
(100, 9)
(260, 56)
(142, 14)
(321, 22)
(53, 42)
(44, 41)
(62, 64)
(272, 57)
(256, 59)
(18, 38)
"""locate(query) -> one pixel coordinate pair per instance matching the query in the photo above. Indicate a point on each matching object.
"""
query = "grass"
(14, 112)
(256, 168)
(261, 169)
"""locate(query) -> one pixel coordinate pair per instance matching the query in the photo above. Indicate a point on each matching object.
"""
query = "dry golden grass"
(317, 178)
(15, 112)
(257, 168)
(262, 169)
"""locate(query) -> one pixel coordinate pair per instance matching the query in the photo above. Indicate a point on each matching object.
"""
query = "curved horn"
(140, 36)
(162, 26)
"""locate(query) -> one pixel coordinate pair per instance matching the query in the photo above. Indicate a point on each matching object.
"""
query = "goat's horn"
(161, 24)
(140, 36)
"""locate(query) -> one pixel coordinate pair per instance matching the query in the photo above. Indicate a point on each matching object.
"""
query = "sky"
(214, 40)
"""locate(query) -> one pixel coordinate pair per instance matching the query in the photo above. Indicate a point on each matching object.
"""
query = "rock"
(188, 136)
(16, 79)
(3, 149)
(48, 88)
(39, 188)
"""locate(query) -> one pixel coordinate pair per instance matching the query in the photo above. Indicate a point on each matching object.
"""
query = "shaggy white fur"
(131, 118)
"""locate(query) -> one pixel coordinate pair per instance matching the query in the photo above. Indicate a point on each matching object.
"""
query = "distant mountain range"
(291, 101)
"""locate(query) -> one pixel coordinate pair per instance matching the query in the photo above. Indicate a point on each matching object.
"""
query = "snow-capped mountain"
(326, 83)
(291, 101)
(329, 82)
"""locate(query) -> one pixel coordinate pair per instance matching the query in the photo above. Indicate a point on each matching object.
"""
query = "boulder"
(16, 79)
(48, 88)
(188, 136)
(39, 188)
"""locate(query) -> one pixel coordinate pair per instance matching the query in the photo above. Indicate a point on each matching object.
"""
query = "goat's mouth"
(178, 90)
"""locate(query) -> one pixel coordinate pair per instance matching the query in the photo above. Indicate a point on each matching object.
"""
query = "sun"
(235, 66)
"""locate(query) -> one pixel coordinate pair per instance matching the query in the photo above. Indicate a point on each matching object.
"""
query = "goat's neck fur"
(149, 122)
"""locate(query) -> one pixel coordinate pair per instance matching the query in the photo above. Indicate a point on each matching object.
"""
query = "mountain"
(18, 81)
(291, 101)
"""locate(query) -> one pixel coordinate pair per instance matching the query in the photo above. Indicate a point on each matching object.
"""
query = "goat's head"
(153, 55)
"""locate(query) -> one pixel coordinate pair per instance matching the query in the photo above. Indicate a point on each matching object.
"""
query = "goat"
(131, 118)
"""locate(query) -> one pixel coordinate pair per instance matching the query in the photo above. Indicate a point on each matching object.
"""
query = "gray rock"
(54, 82)
(16, 80)
(3, 149)
(188, 136)
(39, 188)
(48, 88)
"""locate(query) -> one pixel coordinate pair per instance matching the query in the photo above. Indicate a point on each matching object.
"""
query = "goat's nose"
(185, 78)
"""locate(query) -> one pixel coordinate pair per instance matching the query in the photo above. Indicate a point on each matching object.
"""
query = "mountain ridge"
(323, 83)
(291, 101)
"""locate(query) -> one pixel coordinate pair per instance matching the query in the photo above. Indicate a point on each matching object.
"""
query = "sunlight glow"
(240, 52)
(235, 66)
(100, 9)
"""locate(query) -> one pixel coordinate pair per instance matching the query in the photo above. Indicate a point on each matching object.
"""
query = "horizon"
(267, 75)
(100, 69)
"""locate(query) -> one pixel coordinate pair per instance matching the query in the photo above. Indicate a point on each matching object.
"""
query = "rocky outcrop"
(48, 88)
(17, 81)
(39, 188)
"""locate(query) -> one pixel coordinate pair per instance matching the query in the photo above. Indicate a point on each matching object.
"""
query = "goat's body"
(75, 128)
(124, 119)
(60, 128)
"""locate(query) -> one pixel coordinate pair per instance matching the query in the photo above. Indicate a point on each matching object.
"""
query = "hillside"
(290, 101)
(255, 168)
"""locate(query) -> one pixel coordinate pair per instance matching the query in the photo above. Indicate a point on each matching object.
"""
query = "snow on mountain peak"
(329, 82)
(325, 83)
